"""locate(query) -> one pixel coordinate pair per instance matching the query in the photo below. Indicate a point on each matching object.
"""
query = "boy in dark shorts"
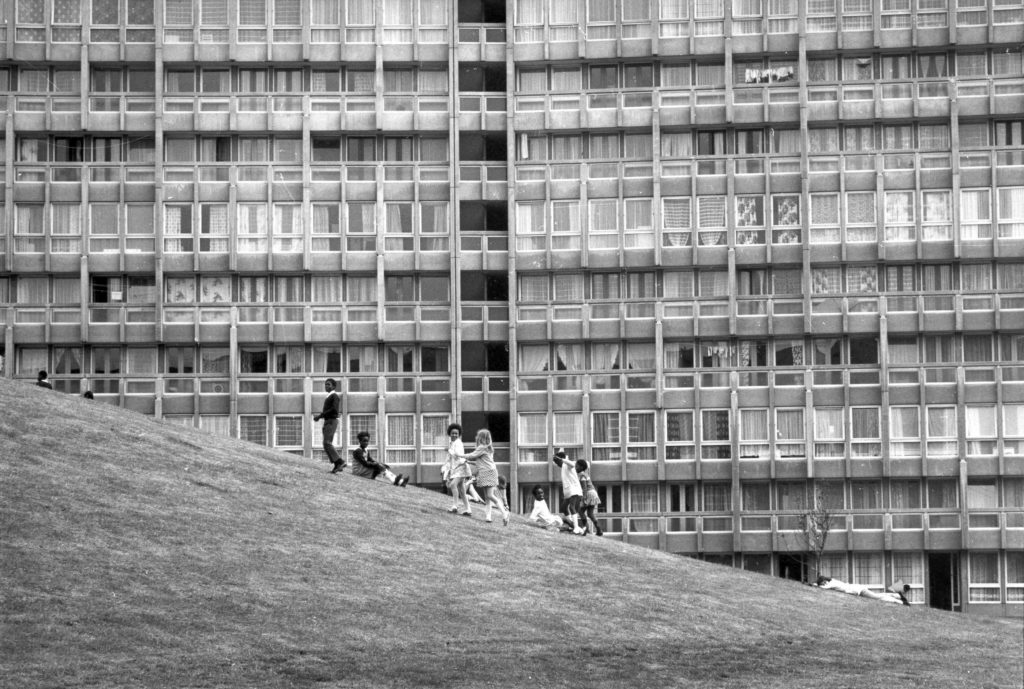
(572, 491)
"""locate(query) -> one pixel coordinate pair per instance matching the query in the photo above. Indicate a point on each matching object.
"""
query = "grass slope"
(138, 554)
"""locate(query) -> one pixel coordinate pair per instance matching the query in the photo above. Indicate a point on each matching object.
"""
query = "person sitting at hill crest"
(42, 381)
(367, 467)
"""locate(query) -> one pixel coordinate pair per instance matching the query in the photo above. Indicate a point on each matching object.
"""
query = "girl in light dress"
(487, 473)
(456, 471)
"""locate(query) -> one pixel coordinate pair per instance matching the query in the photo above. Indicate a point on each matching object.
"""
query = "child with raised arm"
(487, 474)
(572, 492)
(590, 501)
(456, 471)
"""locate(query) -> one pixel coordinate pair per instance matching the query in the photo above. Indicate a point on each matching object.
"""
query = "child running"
(590, 501)
(456, 471)
(487, 474)
(571, 489)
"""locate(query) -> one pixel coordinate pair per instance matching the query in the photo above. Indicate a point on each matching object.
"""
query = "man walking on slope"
(330, 414)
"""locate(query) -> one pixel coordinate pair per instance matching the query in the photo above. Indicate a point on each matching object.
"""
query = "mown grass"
(138, 554)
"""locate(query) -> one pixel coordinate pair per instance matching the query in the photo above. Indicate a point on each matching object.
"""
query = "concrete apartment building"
(748, 256)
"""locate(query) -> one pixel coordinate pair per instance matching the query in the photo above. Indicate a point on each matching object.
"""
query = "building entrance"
(944, 581)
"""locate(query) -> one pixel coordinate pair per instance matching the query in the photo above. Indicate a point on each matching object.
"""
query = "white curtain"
(903, 423)
(215, 289)
(568, 287)
(252, 218)
(533, 429)
(179, 290)
(178, 12)
(640, 355)
(325, 12)
(361, 218)
(789, 424)
(568, 429)
(570, 357)
(754, 424)
(530, 12)
(605, 427)
(828, 424)
(605, 356)
(533, 288)
(433, 12)
(534, 359)
(359, 12)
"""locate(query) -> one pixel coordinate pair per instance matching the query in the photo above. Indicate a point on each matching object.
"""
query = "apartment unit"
(750, 257)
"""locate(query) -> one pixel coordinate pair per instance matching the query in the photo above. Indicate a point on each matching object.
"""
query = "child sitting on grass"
(367, 467)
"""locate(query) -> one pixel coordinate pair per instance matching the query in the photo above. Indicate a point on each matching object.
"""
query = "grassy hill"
(139, 554)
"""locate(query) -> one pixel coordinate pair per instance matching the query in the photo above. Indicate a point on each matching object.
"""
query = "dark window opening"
(486, 286)
(482, 11)
(496, 422)
(481, 76)
(485, 356)
(482, 146)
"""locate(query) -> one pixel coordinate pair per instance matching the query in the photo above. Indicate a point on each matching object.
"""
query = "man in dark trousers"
(330, 414)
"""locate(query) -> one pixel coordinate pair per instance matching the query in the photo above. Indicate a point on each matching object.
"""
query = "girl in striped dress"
(487, 473)
(590, 501)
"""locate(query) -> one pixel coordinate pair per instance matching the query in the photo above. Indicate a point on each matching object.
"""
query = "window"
(867, 570)
(1011, 212)
(533, 437)
(641, 439)
(941, 431)
(715, 436)
(865, 495)
(754, 434)
(899, 216)
(606, 436)
(253, 429)
(717, 497)
(829, 433)
(288, 431)
(975, 214)
(865, 432)
(789, 432)
(679, 443)
(904, 432)
(401, 439)
(983, 574)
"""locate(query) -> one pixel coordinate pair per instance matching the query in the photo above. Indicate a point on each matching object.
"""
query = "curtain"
(599, 10)
(638, 214)
(252, 12)
(569, 357)
(399, 218)
(789, 424)
(534, 359)
(792, 495)
(566, 80)
(401, 430)
(867, 569)
(905, 494)
(678, 355)
(632, 11)
(433, 13)
(179, 290)
(533, 429)
(533, 288)
(326, 289)
(754, 424)
(533, 81)
(828, 424)
(717, 497)
(530, 11)
(675, 76)
(603, 215)
(825, 209)
(640, 355)
(675, 9)
(903, 423)
(214, 12)
(252, 219)
(934, 137)
(643, 497)
(676, 145)
(568, 287)
(530, 218)
(638, 146)
(361, 218)
(434, 218)
(604, 356)
(899, 207)
(865, 423)
(253, 290)
(605, 427)
(678, 284)
(66, 218)
(398, 13)
(568, 429)
(215, 289)
(326, 12)
(1013, 420)
(566, 148)
(1013, 496)
(359, 12)
(711, 212)
(977, 348)
(604, 146)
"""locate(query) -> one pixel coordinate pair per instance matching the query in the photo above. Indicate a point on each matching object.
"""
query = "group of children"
(457, 475)
(581, 498)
